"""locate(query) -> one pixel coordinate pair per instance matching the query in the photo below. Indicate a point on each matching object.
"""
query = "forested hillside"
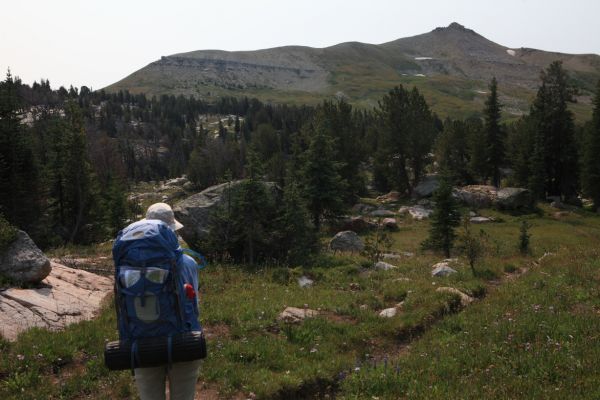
(69, 156)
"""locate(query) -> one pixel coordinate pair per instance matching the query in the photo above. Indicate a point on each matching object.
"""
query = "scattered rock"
(195, 212)
(391, 256)
(426, 187)
(483, 196)
(558, 205)
(356, 224)
(390, 223)
(346, 241)
(23, 261)
(389, 312)
(155, 197)
(64, 297)
(354, 286)
(480, 220)
(382, 213)
(383, 266)
(363, 307)
(305, 281)
(478, 196)
(472, 214)
(362, 208)
(391, 197)
(419, 212)
(514, 198)
(188, 186)
(465, 299)
(177, 181)
(426, 203)
(294, 315)
(443, 268)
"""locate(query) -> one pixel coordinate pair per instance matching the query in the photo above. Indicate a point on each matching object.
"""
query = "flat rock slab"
(66, 296)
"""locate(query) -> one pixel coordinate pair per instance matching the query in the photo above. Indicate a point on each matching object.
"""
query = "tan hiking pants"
(182, 381)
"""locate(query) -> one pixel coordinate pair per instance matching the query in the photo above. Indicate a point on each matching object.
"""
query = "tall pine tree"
(494, 134)
(555, 148)
(407, 133)
(322, 184)
(591, 155)
(444, 220)
(19, 174)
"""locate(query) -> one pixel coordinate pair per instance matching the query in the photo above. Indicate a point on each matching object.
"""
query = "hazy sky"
(95, 43)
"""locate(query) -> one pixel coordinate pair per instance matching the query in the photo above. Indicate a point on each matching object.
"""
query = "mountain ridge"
(450, 65)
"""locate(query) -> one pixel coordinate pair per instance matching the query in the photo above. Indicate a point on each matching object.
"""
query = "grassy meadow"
(532, 331)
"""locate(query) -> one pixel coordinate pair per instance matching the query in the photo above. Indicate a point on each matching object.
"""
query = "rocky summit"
(451, 65)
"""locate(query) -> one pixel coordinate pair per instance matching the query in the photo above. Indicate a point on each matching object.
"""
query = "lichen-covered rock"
(23, 261)
(346, 241)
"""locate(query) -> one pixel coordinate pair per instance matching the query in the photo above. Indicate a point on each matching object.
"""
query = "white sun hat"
(163, 212)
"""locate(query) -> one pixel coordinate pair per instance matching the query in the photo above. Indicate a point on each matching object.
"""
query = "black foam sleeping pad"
(153, 352)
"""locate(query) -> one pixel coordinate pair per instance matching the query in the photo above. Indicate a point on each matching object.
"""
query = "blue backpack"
(153, 290)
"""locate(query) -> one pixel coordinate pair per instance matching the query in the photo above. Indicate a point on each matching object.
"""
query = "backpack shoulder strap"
(198, 256)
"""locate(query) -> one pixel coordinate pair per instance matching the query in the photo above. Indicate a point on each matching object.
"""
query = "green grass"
(504, 345)
(534, 338)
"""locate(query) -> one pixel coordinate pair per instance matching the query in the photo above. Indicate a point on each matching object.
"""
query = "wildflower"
(20, 357)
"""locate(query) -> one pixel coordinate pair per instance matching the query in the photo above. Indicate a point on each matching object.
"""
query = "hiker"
(182, 375)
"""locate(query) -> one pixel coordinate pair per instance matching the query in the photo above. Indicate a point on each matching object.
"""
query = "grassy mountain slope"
(451, 66)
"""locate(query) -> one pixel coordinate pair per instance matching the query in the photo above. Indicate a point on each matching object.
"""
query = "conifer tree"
(19, 174)
(452, 151)
(554, 129)
(296, 235)
(591, 155)
(406, 136)
(494, 134)
(80, 187)
(116, 209)
(444, 220)
(323, 186)
(477, 150)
